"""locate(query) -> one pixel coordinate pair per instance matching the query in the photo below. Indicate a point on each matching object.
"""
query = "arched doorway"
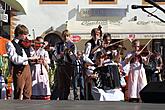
(53, 37)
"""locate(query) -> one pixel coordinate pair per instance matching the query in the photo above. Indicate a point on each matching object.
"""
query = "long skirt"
(40, 81)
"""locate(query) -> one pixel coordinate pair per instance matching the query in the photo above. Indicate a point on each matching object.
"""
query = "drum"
(108, 77)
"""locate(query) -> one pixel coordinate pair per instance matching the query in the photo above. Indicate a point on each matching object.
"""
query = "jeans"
(78, 79)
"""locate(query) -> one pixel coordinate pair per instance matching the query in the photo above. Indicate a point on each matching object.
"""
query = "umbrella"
(15, 4)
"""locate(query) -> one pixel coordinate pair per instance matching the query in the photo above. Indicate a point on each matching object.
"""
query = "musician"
(112, 56)
(108, 80)
(107, 86)
(153, 66)
(159, 66)
(111, 52)
(40, 68)
(106, 48)
(20, 68)
(106, 40)
(136, 76)
(90, 50)
(65, 52)
(91, 45)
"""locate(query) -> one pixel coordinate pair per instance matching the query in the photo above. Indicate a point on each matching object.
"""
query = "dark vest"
(18, 48)
(19, 52)
(93, 45)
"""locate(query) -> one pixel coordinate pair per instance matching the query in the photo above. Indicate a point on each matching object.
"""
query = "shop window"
(102, 1)
(156, 1)
(53, 1)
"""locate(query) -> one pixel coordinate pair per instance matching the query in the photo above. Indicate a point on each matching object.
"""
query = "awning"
(119, 30)
(16, 4)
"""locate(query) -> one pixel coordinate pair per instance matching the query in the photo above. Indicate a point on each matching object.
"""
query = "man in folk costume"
(20, 68)
(65, 55)
(91, 47)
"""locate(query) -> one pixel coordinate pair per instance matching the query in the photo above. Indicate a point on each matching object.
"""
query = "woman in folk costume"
(39, 68)
(136, 77)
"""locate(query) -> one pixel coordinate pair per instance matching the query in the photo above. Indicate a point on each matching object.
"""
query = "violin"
(42, 45)
(145, 52)
(26, 43)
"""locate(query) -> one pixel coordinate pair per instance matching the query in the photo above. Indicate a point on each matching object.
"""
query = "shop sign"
(75, 38)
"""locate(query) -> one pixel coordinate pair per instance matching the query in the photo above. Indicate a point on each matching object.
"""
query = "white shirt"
(87, 52)
(40, 53)
(13, 56)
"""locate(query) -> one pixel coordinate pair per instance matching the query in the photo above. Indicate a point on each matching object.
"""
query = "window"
(102, 1)
(53, 1)
(157, 1)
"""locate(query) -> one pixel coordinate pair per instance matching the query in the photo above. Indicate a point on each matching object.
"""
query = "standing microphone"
(155, 5)
(140, 6)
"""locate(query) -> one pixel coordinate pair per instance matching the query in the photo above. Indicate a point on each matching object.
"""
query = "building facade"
(118, 17)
